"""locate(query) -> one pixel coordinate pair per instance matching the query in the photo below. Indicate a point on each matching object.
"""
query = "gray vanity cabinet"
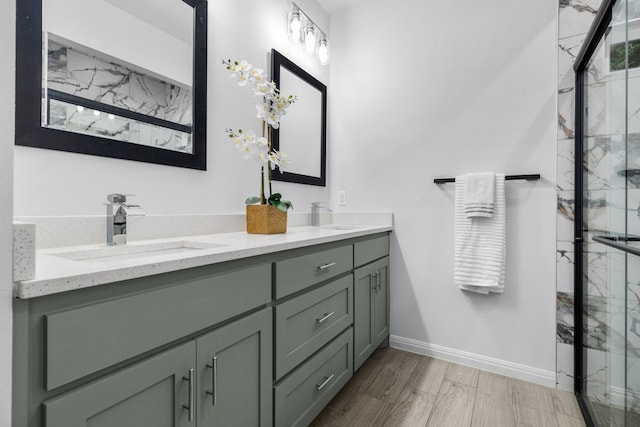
(254, 342)
(148, 393)
(371, 298)
(234, 373)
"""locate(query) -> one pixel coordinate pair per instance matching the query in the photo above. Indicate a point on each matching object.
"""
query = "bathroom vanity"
(260, 335)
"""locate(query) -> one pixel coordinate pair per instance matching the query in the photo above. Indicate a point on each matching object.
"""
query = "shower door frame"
(596, 32)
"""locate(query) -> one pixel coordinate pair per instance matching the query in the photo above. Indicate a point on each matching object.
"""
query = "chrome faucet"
(315, 213)
(117, 223)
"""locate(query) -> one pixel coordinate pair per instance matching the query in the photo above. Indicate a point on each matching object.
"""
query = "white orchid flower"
(244, 66)
(273, 119)
(279, 159)
(243, 79)
(257, 75)
(263, 110)
(263, 89)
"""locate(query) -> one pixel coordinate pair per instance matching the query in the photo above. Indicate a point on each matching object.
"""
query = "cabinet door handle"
(374, 279)
(214, 381)
(325, 317)
(379, 280)
(192, 394)
(325, 266)
(325, 382)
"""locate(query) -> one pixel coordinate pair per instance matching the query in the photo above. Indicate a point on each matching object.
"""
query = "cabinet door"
(380, 309)
(235, 373)
(148, 393)
(363, 295)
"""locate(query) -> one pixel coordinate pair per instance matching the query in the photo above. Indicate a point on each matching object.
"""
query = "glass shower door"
(609, 377)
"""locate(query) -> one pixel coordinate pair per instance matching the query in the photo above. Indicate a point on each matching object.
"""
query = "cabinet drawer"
(370, 250)
(309, 321)
(84, 340)
(302, 395)
(295, 274)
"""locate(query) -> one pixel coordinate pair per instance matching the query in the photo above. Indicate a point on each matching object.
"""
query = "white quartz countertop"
(57, 270)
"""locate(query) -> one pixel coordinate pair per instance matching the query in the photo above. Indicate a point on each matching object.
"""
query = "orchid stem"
(263, 201)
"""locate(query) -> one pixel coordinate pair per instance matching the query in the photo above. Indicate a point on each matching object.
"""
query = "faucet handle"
(118, 198)
(317, 204)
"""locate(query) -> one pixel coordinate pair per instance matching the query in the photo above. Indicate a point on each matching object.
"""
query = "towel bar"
(532, 177)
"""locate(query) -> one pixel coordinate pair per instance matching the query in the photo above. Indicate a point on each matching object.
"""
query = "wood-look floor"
(397, 388)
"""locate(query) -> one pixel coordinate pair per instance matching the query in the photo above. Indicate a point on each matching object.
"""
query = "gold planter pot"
(265, 219)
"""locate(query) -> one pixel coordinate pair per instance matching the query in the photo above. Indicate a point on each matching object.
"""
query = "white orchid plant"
(270, 111)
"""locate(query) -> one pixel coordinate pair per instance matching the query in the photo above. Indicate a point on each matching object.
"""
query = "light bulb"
(295, 23)
(310, 39)
(111, 116)
(80, 108)
(96, 112)
(323, 52)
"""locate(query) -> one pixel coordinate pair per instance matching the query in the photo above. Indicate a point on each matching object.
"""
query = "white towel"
(479, 194)
(480, 243)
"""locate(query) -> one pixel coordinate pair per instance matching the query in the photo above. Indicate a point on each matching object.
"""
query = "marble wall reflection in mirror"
(123, 75)
(302, 133)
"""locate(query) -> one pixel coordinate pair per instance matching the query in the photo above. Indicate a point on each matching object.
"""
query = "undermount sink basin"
(341, 227)
(135, 251)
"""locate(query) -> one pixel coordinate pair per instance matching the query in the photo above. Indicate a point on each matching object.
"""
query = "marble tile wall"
(574, 19)
(91, 77)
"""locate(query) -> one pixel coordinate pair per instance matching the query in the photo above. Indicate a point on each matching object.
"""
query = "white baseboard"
(485, 363)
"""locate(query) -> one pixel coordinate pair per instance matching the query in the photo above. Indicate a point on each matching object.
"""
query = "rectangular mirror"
(130, 84)
(303, 131)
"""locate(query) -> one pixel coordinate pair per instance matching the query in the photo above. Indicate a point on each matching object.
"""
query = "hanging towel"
(479, 194)
(480, 243)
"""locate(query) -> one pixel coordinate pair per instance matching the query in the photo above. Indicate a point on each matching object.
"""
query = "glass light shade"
(309, 39)
(295, 23)
(323, 52)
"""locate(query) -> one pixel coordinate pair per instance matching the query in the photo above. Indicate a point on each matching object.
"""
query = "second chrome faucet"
(315, 212)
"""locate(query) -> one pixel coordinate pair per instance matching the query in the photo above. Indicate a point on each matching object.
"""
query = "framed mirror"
(303, 132)
(115, 78)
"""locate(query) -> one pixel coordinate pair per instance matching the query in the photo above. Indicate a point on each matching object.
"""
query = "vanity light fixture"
(323, 51)
(303, 30)
(309, 39)
(295, 22)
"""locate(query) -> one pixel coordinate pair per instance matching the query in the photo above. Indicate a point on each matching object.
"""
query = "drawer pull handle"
(325, 317)
(324, 267)
(324, 383)
(374, 279)
(379, 280)
(192, 394)
(214, 381)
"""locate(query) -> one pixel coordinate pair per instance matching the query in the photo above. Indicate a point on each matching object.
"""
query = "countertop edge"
(38, 287)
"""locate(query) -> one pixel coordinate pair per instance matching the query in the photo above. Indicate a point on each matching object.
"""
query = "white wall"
(422, 90)
(56, 183)
(7, 76)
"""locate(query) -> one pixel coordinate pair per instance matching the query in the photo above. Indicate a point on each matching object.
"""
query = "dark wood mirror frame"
(278, 61)
(29, 131)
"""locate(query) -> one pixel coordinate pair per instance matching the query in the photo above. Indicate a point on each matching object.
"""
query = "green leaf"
(252, 200)
(275, 196)
(280, 205)
(283, 205)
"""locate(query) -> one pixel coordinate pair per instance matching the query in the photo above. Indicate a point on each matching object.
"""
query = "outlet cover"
(342, 198)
